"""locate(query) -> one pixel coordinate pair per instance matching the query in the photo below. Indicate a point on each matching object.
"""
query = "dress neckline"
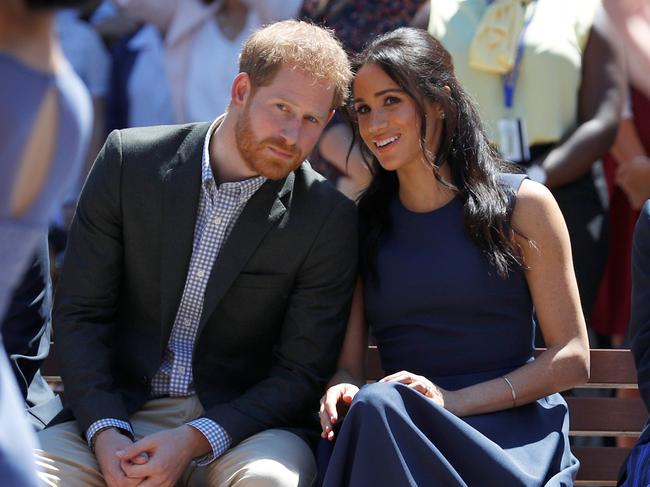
(451, 203)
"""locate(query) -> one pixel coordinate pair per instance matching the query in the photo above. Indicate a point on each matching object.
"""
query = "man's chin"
(274, 169)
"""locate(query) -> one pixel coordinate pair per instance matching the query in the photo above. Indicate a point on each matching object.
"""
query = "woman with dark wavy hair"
(457, 254)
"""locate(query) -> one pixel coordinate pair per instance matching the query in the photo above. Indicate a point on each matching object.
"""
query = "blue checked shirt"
(219, 209)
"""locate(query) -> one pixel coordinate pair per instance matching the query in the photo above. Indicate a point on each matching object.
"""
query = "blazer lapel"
(261, 213)
(181, 181)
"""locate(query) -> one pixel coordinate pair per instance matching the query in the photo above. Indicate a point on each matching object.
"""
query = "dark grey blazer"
(276, 303)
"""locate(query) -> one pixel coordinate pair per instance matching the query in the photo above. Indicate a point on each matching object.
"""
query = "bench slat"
(612, 368)
(606, 416)
(599, 465)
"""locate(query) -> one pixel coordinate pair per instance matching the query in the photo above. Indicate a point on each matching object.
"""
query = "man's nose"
(291, 131)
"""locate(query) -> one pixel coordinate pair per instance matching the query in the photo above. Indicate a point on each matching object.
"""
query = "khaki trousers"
(273, 458)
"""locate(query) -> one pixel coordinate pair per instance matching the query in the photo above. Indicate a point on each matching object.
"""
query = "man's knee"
(64, 458)
(62, 437)
(269, 473)
(268, 459)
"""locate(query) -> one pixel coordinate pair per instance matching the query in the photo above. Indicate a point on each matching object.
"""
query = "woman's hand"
(334, 405)
(424, 386)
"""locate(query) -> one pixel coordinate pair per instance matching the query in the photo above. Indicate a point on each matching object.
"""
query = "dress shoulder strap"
(511, 182)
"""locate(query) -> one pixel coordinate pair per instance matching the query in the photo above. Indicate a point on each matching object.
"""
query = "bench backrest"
(591, 415)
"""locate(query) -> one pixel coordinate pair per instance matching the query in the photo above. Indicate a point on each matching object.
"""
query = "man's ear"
(329, 117)
(240, 90)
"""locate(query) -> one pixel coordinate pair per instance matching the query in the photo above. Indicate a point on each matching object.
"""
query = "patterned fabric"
(357, 22)
(218, 211)
(102, 424)
(216, 435)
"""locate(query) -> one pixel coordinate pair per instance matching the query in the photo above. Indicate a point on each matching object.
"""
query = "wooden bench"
(592, 416)
(614, 417)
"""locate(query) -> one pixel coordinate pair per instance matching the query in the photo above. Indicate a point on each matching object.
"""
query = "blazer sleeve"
(86, 299)
(311, 336)
(640, 314)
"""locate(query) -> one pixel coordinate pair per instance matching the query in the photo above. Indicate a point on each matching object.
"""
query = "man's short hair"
(54, 4)
(310, 48)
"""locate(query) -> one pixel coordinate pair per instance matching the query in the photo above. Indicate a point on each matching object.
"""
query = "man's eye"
(281, 106)
(311, 119)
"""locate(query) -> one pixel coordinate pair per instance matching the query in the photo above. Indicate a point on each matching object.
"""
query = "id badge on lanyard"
(513, 139)
(513, 136)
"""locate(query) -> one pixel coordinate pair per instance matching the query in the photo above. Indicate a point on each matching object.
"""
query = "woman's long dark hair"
(422, 67)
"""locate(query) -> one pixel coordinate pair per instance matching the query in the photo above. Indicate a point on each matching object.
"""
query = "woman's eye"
(361, 109)
(391, 100)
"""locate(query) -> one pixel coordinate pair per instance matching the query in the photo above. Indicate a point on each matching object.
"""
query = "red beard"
(256, 153)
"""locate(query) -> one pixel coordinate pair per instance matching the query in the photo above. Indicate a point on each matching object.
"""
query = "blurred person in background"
(627, 172)
(201, 42)
(45, 123)
(26, 331)
(632, 20)
(636, 470)
(548, 82)
(138, 89)
(85, 51)
(139, 93)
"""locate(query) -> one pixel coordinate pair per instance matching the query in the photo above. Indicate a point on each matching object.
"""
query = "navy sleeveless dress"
(439, 309)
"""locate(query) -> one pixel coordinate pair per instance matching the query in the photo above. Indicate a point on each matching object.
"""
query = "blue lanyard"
(510, 79)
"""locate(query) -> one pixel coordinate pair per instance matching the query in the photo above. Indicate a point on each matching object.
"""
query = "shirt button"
(187, 322)
(217, 220)
(180, 370)
(200, 273)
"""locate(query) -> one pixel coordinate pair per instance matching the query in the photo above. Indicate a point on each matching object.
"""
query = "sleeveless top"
(439, 308)
(22, 90)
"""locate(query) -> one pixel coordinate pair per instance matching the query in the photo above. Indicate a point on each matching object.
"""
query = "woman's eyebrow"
(381, 92)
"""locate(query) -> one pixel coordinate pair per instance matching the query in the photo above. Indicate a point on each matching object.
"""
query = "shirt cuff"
(102, 424)
(218, 438)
